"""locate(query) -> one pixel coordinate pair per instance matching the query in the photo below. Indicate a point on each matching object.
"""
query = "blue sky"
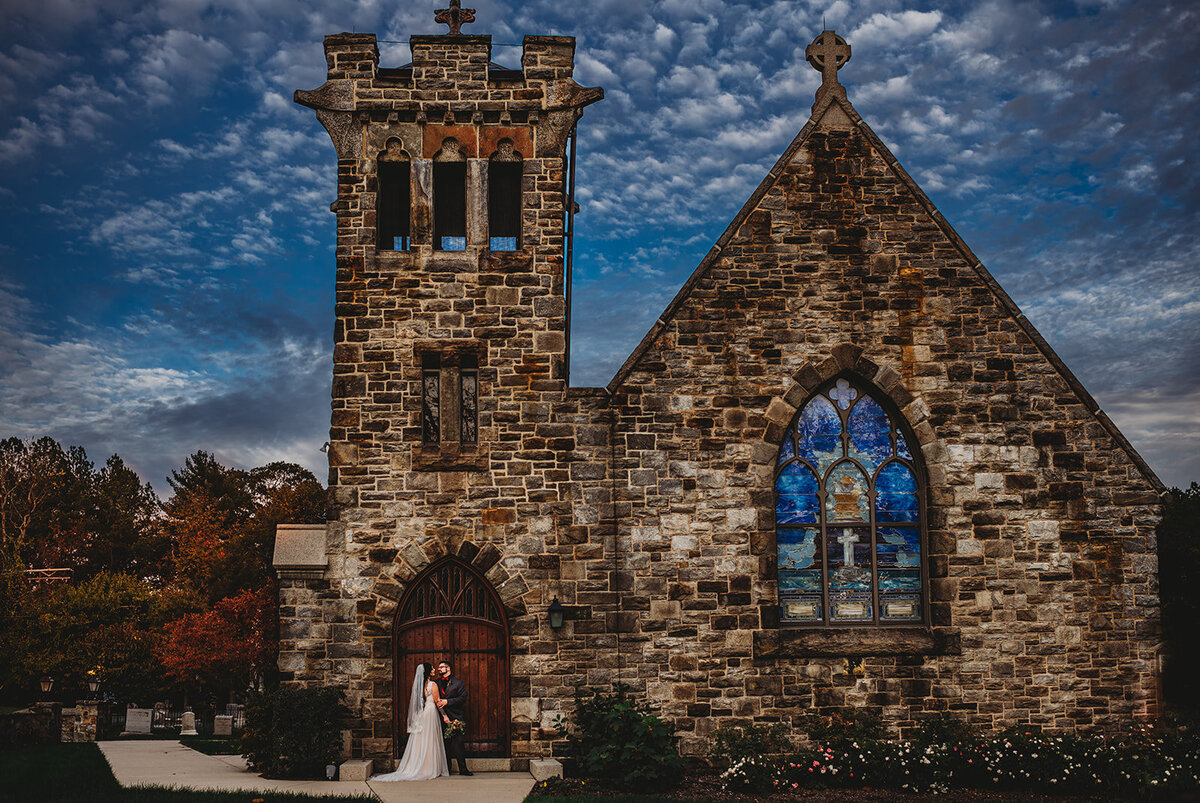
(166, 268)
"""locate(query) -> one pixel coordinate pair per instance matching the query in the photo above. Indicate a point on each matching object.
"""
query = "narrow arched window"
(450, 198)
(504, 198)
(849, 517)
(392, 211)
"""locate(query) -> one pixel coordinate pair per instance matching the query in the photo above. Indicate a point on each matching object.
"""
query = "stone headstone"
(189, 724)
(222, 725)
(137, 721)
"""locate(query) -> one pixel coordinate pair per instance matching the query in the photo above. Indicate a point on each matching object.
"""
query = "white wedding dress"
(425, 755)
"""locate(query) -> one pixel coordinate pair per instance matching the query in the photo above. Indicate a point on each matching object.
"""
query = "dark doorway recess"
(451, 612)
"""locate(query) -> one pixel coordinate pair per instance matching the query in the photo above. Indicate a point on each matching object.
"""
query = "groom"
(453, 704)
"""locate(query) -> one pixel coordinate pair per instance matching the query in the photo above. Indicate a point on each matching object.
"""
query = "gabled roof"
(822, 107)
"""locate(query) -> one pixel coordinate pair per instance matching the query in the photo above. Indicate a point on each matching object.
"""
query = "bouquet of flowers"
(452, 727)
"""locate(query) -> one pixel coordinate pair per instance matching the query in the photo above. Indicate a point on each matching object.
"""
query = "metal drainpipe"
(570, 244)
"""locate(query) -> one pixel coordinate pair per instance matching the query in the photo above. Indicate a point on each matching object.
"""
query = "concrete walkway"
(165, 763)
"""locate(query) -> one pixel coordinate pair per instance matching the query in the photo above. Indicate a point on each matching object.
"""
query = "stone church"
(842, 469)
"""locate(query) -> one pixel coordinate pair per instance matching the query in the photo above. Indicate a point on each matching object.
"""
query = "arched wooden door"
(451, 612)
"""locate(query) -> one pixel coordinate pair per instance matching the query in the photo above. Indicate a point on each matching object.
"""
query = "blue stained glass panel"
(502, 243)
(796, 496)
(900, 580)
(819, 433)
(870, 433)
(806, 580)
(787, 450)
(896, 494)
(846, 497)
(797, 547)
(902, 447)
(898, 548)
(454, 243)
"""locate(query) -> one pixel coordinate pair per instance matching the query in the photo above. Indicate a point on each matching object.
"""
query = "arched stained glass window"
(848, 514)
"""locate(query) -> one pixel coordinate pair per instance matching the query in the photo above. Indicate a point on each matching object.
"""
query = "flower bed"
(1018, 760)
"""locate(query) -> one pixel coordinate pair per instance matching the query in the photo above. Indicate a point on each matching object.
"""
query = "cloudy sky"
(166, 268)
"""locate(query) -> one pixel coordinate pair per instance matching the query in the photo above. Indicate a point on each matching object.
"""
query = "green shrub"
(293, 733)
(618, 741)
(840, 729)
(733, 744)
(944, 728)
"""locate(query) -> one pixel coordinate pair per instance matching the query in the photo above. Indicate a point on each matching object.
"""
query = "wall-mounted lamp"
(556, 613)
(47, 684)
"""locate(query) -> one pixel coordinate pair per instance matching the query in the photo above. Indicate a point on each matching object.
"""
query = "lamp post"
(557, 613)
(93, 685)
(47, 684)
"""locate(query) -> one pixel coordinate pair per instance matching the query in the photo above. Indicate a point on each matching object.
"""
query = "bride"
(425, 756)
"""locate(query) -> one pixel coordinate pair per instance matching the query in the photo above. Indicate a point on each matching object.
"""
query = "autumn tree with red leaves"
(226, 647)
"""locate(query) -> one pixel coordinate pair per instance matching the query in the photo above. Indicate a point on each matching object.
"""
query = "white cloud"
(890, 29)
(177, 63)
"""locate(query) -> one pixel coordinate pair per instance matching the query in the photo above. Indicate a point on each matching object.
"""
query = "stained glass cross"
(454, 16)
(848, 539)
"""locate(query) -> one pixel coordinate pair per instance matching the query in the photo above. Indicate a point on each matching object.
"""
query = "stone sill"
(433, 261)
(450, 457)
(843, 642)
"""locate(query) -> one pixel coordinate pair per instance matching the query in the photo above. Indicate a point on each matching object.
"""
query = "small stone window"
(450, 198)
(849, 514)
(449, 396)
(392, 211)
(504, 198)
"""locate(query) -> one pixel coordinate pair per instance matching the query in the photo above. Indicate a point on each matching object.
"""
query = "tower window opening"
(504, 198)
(468, 406)
(450, 198)
(394, 201)
(431, 392)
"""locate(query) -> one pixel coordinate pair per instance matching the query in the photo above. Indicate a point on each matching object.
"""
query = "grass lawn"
(65, 773)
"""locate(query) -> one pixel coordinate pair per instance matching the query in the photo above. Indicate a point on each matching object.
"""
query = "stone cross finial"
(454, 16)
(828, 53)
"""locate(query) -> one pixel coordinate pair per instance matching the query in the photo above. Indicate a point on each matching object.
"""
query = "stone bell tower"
(452, 234)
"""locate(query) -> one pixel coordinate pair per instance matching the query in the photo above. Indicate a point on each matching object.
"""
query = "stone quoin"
(841, 471)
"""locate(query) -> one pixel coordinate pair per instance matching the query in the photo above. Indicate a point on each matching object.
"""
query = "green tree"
(106, 624)
(1179, 577)
(127, 536)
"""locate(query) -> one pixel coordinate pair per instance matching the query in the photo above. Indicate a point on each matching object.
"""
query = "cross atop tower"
(828, 53)
(454, 16)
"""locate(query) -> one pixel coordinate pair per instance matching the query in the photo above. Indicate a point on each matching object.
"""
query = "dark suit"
(454, 692)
